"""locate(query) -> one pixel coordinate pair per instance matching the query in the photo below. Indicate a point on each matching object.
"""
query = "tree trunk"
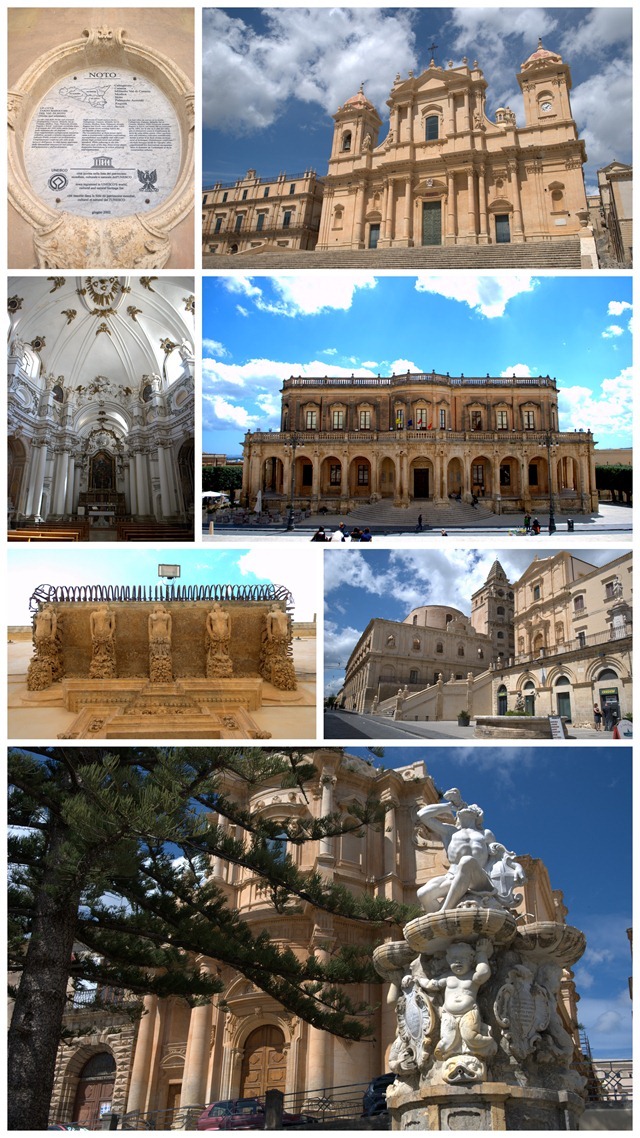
(34, 1034)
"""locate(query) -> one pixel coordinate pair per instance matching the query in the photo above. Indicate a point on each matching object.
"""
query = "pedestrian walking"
(535, 526)
(527, 522)
(419, 526)
(597, 717)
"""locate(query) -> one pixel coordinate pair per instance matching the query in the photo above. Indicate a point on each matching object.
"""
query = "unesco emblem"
(57, 182)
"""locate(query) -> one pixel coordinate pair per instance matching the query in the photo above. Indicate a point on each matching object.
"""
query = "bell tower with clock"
(545, 82)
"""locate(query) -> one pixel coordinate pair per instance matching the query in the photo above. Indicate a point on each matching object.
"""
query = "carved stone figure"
(276, 665)
(218, 637)
(160, 666)
(417, 1023)
(46, 667)
(462, 1031)
(102, 623)
(521, 1008)
(480, 869)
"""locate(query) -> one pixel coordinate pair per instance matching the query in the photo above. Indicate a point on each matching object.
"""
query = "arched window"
(608, 674)
(501, 636)
(460, 649)
(563, 682)
(439, 648)
(415, 620)
(346, 140)
(431, 127)
(500, 610)
(391, 641)
(416, 644)
(413, 676)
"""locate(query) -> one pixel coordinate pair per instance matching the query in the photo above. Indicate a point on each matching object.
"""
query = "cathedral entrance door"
(503, 233)
(374, 234)
(264, 1065)
(432, 223)
(420, 483)
(95, 1090)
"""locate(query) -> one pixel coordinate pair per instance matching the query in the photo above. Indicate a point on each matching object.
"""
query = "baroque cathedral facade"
(446, 174)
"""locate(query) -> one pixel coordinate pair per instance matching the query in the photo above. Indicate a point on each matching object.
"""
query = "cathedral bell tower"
(545, 82)
(492, 609)
(355, 133)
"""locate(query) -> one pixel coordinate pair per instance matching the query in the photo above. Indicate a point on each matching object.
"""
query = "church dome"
(540, 56)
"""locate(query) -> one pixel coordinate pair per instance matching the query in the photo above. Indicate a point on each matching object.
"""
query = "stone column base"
(483, 1106)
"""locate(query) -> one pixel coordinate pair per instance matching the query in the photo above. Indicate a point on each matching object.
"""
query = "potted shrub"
(464, 719)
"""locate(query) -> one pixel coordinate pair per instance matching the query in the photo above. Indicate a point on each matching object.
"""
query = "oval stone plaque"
(103, 143)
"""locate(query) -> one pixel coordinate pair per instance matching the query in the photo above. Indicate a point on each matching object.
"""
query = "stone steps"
(435, 515)
(556, 254)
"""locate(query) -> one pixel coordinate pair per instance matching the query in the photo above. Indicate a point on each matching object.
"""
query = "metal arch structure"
(105, 594)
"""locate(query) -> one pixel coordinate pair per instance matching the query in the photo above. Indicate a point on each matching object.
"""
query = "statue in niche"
(46, 667)
(276, 665)
(160, 664)
(217, 640)
(102, 623)
(482, 872)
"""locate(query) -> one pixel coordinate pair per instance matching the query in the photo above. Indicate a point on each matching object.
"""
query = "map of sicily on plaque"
(103, 144)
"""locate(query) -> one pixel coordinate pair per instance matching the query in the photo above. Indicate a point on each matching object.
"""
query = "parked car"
(374, 1100)
(241, 1114)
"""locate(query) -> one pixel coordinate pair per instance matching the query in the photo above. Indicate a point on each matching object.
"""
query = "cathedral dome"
(540, 56)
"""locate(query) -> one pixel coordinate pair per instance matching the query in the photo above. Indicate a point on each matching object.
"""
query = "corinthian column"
(196, 1060)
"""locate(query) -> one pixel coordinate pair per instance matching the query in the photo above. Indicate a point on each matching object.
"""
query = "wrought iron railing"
(47, 594)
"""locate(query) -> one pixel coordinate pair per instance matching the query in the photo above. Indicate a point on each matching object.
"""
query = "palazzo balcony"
(435, 436)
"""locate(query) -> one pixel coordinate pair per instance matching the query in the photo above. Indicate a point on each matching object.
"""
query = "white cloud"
(607, 414)
(339, 642)
(601, 28)
(612, 331)
(399, 367)
(301, 294)
(288, 565)
(484, 294)
(214, 347)
(520, 370)
(228, 413)
(602, 107)
(369, 363)
(617, 307)
(329, 352)
(317, 55)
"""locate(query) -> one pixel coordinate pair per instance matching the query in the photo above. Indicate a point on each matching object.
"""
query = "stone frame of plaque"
(140, 239)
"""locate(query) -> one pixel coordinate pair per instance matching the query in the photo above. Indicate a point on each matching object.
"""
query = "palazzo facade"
(100, 403)
(420, 437)
(253, 212)
(573, 636)
(446, 174)
(246, 1043)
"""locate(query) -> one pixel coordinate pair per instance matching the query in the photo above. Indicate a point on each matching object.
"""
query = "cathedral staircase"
(435, 515)
(557, 254)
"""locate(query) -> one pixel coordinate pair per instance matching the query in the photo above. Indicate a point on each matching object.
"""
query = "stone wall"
(188, 646)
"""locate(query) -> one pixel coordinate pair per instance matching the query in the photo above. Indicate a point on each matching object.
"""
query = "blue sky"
(273, 77)
(139, 566)
(564, 809)
(390, 583)
(259, 330)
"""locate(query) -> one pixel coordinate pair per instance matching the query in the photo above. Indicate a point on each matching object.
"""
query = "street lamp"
(549, 443)
(294, 443)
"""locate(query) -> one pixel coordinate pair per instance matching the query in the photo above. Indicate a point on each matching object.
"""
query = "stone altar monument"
(100, 134)
(480, 1043)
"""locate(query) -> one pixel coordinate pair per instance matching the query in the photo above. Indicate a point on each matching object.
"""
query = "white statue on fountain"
(481, 870)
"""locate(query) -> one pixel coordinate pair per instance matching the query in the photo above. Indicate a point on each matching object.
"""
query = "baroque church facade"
(175, 1056)
(420, 437)
(101, 407)
(446, 174)
(432, 640)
